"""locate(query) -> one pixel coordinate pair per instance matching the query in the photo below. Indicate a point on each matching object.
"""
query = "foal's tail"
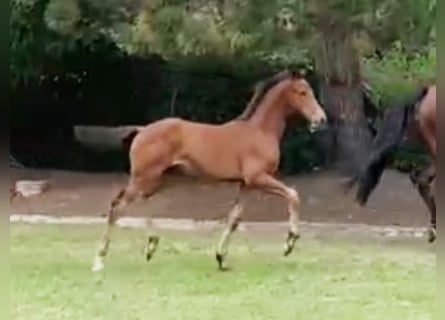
(389, 137)
(127, 140)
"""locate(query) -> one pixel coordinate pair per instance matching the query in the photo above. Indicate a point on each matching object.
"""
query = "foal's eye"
(303, 93)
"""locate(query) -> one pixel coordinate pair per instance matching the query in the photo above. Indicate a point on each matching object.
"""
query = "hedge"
(90, 89)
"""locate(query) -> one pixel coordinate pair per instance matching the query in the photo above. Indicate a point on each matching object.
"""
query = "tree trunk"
(338, 66)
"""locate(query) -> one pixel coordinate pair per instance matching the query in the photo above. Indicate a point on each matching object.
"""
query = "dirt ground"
(395, 202)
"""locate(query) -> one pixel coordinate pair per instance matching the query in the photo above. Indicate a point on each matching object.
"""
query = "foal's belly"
(187, 167)
(223, 169)
(223, 152)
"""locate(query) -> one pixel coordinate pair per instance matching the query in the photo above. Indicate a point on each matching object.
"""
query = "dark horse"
(416, 115)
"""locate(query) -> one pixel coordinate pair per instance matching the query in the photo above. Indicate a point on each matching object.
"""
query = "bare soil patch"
(395, 202)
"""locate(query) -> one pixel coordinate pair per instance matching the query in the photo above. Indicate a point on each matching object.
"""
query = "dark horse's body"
(417, 114)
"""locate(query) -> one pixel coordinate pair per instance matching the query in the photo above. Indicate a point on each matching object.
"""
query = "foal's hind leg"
(146, 187)
(124, 197)
(152, 185)
(271, 185)
(233, 221)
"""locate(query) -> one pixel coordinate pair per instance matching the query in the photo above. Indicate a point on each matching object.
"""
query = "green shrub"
(396, 75)
(399, 73)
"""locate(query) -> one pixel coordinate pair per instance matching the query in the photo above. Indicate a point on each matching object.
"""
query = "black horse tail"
(389, 137)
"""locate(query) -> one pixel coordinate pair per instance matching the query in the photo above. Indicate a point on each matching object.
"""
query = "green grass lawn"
(323, 280)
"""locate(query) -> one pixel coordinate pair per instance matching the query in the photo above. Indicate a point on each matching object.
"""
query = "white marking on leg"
(294, 204)
(293, 210)
(224, 242)
(98, 264)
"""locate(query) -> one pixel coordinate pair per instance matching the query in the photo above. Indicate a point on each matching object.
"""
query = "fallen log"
(104, 138)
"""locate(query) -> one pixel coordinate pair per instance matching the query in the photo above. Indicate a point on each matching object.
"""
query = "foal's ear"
(298, 74)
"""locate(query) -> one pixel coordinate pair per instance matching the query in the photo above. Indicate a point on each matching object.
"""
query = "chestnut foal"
(245, 151)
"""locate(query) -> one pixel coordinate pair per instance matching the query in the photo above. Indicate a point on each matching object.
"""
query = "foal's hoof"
(98, 265)
(222, 266)
(287, 250)
(432, 235)
(152, 244)
(290, 243)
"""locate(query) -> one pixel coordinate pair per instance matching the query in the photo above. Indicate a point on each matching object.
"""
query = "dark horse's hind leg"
(429, 196)
(424, 181)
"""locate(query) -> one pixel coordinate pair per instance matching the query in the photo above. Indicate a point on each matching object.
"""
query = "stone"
(29, 188)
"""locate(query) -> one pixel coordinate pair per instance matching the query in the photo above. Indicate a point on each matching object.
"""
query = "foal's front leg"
(271, 185)
(233, 220)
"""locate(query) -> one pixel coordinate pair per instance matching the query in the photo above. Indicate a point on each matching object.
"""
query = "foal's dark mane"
(262, 88)
(390, 135)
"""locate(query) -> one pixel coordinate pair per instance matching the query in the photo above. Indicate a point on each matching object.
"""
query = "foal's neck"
(270, 116)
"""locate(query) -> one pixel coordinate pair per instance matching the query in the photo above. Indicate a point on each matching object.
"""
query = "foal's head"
(300, 98)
